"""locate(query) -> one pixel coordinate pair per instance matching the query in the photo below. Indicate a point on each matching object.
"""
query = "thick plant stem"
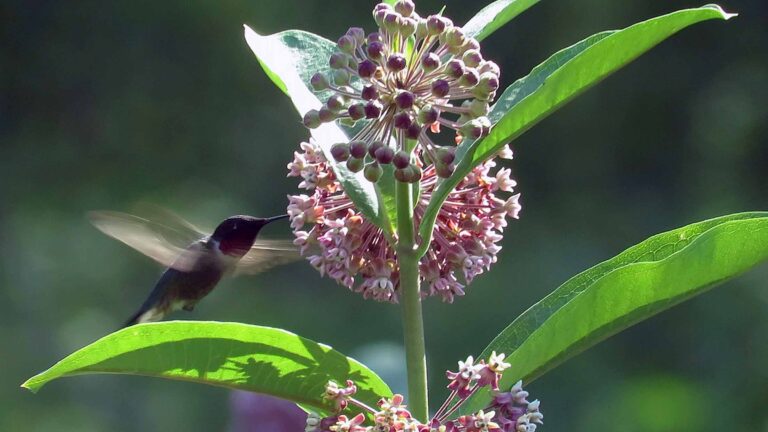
(410, 300)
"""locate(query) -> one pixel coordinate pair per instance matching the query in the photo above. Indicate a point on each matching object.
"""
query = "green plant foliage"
(495, 15)
(232, 355)
(562, 77)
(642, 281)
(289, 59)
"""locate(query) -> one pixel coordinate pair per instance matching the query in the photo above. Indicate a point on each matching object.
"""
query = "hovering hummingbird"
(196, 262)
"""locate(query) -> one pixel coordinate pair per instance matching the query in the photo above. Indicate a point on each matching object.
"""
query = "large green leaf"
(642, 281)
(290, 58)
(495, 15)
(550, 85)
(232, 355)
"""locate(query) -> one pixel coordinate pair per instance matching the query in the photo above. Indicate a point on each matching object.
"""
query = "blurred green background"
(106, 104)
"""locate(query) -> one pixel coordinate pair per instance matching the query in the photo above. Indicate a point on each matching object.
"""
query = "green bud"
(355, 164)
(373, 172)
(312, 119)
(341, 77)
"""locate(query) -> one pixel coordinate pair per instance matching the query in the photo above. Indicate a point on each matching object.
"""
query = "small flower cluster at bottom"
(509, 412)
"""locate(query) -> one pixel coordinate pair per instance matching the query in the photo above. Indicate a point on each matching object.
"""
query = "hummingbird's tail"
(144, 315)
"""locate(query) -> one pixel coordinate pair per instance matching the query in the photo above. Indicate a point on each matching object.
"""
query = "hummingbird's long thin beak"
(274, 218)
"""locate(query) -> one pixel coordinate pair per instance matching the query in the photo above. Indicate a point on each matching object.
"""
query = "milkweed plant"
(404, 193)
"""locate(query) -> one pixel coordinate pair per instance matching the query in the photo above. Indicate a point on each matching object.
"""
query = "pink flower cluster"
(342, 244)
(509, 411)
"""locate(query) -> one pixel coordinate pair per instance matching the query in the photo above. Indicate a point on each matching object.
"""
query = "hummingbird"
(195, 262)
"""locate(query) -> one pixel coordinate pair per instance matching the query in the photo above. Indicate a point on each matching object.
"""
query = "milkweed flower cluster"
(406, 80)
(508, 412)
(342, 244)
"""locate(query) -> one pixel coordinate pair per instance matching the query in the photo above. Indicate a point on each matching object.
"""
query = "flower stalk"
(413, 323)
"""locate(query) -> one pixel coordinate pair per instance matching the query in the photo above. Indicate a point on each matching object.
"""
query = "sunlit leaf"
(232, 355)
(642, 281)
(495, 15)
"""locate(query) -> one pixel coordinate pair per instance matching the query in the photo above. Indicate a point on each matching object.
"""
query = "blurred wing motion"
(168, 242)
(266, 254)
(157, 241)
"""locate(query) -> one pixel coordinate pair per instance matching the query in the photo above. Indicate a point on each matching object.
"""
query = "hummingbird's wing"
(266, 254)
(165, 244)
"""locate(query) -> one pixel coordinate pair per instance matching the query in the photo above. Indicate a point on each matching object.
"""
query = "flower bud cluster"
(509, 411)
(412, 76)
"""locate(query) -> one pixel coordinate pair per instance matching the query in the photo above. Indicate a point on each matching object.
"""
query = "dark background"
(106, 104)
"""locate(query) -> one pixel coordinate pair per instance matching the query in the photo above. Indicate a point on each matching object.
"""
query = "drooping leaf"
(550, 85)
(232, 355)
(495, 15)
(290, 58)
(642, 281)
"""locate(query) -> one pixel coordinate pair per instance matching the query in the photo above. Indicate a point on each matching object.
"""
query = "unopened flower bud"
(421, 29)
(428, 115)
(403, 120)
(374, 37)
(375, 145)
(335, 102)
(405, 7)
(444, 170)
(373, 172)
(346, 44)
(391, 21)
(401, 159)
(312, 119)
(369, 92)
(410, 174)
(470, 77)
(355, 165)
(372, 109)
(430, 62)
(454, 68)
(472, 58)
(476, 128)
(490, 67)
(326, 115)
(407, 27)
(478, 108)
(341, 77)
(435, 25)
(338, 60)
(446, 155)
(396, 62)
(356, 111)
(454, 37)
(340, 152)
(319, 82)
(440, 88)
(358, 149)
(375, 50)
(366, 68)
(357, 34)
(413, 131)
(385, 155)
(404, 100)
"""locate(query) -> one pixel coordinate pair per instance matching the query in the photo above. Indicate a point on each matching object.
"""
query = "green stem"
(410, 300)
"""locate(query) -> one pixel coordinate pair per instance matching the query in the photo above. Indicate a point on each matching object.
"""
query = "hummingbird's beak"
(274, 218)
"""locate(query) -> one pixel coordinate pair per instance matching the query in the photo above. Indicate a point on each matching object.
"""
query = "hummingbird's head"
(236, 234)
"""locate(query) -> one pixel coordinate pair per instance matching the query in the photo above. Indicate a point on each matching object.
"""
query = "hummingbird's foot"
(189, 307)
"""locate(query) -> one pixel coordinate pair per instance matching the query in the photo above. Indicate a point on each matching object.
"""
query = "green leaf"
(495, 15)
(642, 281)
(559, 79)
(232, 355)
(289, 59)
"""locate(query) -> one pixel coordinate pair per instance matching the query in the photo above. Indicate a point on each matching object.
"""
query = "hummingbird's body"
(195, 270)
(182, 289)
